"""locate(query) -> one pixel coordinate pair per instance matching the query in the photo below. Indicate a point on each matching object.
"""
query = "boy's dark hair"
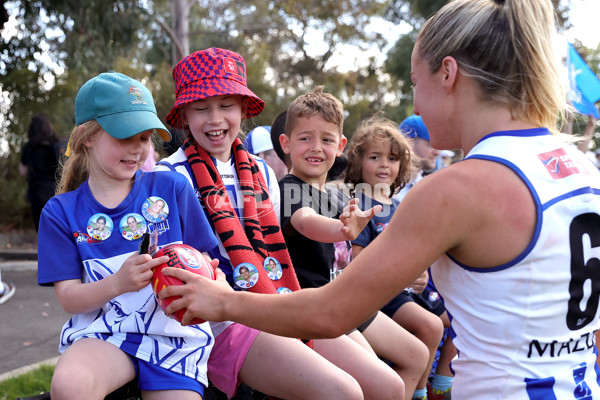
(338, 169)
(319, 103)
(277, 129)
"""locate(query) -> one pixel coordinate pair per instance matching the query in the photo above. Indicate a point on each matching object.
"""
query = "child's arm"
(420, 283)
(317, 227)
(329, 230)
(77, 297)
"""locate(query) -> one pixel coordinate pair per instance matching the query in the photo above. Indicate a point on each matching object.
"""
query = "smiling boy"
(312, 216)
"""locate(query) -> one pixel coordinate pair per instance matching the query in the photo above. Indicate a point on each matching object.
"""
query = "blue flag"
(584, 85)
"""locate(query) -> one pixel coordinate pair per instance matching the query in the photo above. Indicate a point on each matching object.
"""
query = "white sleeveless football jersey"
(525, 329)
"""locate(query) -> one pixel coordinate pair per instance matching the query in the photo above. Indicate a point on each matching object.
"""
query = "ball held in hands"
(184, 257)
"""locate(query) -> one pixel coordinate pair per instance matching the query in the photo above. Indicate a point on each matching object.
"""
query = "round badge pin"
(100, 226)
(273, 268)
(283, 290)
(132, 226)
(245, 275)
(155, 209)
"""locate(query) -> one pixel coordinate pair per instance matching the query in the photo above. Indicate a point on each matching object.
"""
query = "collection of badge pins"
(245, 275)
(133, 226)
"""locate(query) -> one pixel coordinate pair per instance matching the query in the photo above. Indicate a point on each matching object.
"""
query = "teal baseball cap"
(122, 106)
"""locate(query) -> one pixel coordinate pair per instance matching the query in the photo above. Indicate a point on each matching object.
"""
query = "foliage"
(290, 46)
(28, 384)
(62, 43)
(415, 13)
(591, 56)
(276, 38)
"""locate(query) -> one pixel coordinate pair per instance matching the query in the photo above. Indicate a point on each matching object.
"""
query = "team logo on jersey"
(380, 226)
(558, 163)
(81, 237)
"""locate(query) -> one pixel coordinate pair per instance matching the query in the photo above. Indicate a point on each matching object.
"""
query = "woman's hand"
(202, 297)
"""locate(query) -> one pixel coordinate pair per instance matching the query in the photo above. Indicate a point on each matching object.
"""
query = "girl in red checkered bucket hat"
(211, 73)
(240, 195)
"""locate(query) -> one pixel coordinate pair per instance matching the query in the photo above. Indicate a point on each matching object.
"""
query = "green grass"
(28, 384)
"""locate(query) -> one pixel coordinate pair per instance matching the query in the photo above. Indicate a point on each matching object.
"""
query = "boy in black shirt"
(314, 217)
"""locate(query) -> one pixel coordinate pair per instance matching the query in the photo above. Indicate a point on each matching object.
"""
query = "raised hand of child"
(136, 272)
(354, 219)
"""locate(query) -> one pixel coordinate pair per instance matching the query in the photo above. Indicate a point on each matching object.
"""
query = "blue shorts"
(153, 377)
(394, 304)
(429, 300)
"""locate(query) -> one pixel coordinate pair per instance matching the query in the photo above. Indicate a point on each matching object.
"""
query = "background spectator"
(39, 162)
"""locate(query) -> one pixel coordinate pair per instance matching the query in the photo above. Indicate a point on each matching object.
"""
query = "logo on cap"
(137, 94)
(234, 67)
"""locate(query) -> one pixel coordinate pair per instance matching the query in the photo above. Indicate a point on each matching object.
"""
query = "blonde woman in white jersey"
(512, 232)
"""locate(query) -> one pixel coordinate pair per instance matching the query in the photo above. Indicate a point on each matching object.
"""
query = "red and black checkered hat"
(208, 73)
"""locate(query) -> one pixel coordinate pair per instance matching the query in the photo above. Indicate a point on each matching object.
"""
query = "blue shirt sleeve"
(58, 256)
(366, 235)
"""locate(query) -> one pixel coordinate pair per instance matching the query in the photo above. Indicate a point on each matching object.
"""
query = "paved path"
(30, 321)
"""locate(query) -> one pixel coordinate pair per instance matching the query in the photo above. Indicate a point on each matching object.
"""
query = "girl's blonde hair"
(76, 169)
(379, 128)
(507, 46)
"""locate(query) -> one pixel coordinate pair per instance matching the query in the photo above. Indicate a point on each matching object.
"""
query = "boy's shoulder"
(292, 182)
(292, 179)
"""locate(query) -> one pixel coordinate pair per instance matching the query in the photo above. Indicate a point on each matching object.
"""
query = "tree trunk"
(181, 28)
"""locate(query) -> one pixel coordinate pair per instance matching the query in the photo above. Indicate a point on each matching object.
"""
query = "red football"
(184, 257)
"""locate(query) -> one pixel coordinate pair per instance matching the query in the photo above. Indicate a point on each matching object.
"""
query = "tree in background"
(289, 46)
(415, 13)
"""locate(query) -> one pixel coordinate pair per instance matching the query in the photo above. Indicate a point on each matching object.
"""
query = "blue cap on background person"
(122, 106)
(413, 127)
(259, 140)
